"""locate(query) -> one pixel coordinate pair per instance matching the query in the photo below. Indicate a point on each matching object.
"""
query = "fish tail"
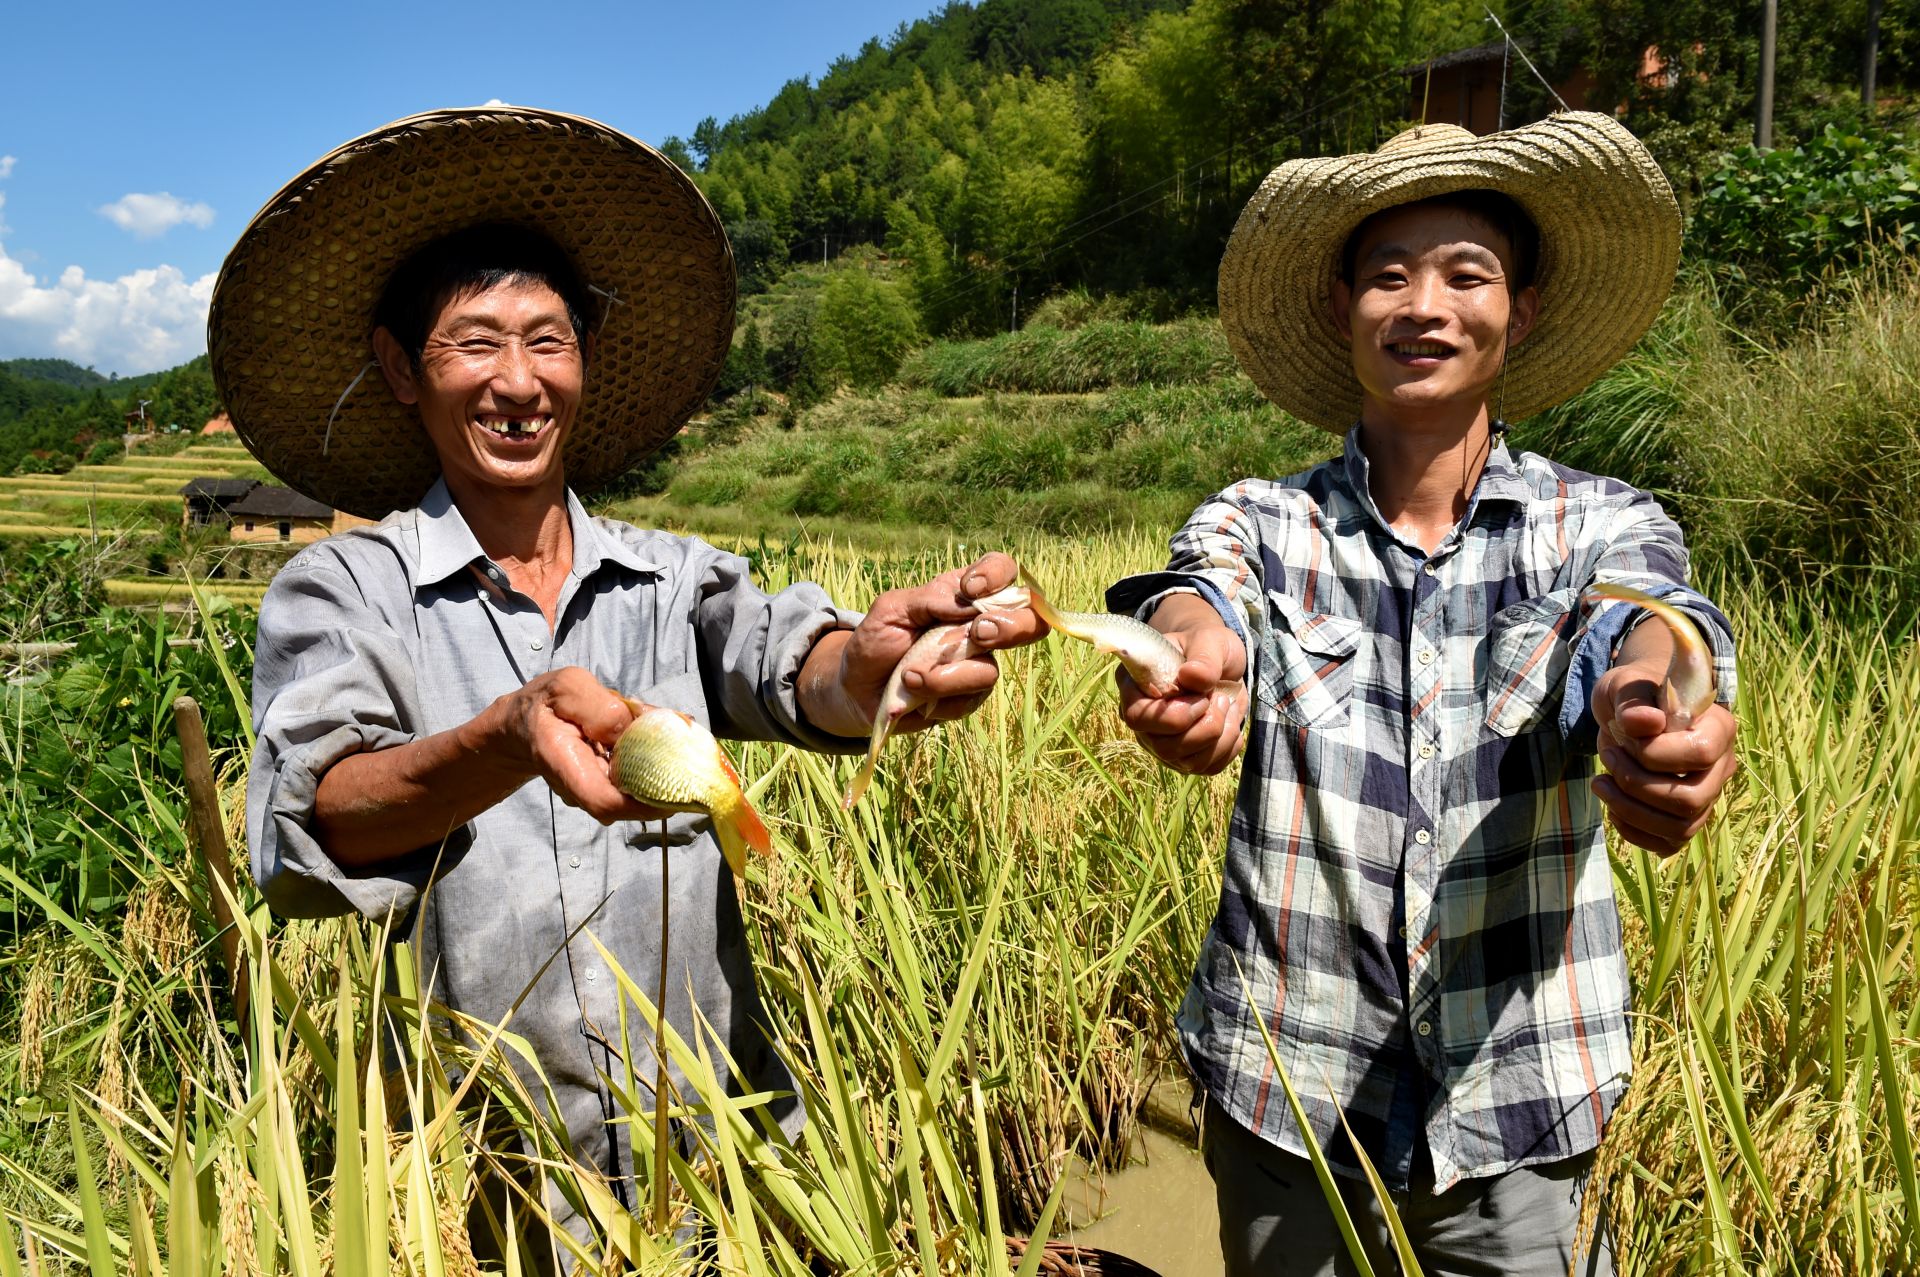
(882, 726)
(738, 827)
(1043, 607)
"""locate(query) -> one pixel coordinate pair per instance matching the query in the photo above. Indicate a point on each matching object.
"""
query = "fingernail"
(975, 585)
(986, 629)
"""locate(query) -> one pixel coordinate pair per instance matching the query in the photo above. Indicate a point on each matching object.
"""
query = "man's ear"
(1526, 310)
(1339, 304)
(395, 366)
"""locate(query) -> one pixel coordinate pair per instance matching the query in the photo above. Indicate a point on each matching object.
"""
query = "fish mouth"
(519, 427)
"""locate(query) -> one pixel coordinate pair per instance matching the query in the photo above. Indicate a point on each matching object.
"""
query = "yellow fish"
(667, 760)
(1687, 692)
(1150, 656)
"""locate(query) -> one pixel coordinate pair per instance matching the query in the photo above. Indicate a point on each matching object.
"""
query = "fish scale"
(667, 760)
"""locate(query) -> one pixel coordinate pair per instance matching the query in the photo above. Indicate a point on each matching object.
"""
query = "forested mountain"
(60, 371)
(51, 423)
(1032, 145)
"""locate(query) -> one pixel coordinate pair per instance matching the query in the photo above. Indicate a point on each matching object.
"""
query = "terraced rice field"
(135, 591)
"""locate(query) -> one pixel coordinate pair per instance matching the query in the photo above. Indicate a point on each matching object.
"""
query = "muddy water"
(1159, 1208)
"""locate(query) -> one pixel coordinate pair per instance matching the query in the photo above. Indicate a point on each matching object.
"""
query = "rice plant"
(972, 976)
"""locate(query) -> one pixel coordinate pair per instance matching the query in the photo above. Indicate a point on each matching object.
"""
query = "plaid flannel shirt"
(1416, 873)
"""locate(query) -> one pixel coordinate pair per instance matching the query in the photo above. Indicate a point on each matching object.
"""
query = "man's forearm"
(376, 806)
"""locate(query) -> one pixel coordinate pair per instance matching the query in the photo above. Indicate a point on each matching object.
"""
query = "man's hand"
(845, 674)
(562, 727)
(1197, 728)
(1660, 785)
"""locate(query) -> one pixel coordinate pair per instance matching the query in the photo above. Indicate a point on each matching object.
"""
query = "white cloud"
(6, 166)
(151, 215)
(142, 321)
(488, 102)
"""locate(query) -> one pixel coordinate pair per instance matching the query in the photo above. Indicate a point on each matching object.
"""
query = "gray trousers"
(1274, 1220)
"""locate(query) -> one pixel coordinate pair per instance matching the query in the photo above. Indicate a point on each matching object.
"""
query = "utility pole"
(1869, 64)
(1769, 25)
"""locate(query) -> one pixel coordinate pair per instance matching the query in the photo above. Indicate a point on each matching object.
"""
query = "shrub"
(1069, 361)
(1775, 224)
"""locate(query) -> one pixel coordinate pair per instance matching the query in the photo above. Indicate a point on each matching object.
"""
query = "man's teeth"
(1419, 349)
(514, 425)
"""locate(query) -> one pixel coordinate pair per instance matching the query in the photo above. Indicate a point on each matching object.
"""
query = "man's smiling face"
(1430, 310)
(498, 385)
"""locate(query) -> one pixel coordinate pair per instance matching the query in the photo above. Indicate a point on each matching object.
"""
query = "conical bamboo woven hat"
(1609, 243)
(293, 306)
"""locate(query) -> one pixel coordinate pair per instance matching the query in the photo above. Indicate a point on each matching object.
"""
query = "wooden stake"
(210, 841)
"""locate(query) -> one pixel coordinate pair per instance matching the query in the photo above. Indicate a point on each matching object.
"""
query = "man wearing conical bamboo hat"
(453, 325)
(1443, 711)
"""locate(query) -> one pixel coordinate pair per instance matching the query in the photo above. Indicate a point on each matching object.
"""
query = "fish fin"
(739, 827)
(1043, 607)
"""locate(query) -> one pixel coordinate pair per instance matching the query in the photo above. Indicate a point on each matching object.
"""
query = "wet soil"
(1159, 1208)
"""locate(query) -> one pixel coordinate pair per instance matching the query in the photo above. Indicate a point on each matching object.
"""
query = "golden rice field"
(973, 976)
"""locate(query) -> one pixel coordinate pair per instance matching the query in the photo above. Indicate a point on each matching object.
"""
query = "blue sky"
(137, 140)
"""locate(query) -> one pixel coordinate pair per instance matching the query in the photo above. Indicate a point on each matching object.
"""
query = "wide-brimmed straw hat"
(1609, 243)
(293, 306)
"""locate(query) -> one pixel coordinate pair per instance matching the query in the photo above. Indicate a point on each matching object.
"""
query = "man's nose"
(1423, 296)
(513, 372)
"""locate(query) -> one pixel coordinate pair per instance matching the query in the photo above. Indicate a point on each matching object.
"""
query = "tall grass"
(972, 976)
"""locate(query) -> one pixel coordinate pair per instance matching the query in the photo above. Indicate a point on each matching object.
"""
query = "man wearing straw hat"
(545, 301)
(1417, 904)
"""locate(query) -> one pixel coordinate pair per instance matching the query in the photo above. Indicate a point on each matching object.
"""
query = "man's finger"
(1158, 715)
(597, 712)
(1003, 628)
(987, 574)
(1682, 795)
(1628, 810)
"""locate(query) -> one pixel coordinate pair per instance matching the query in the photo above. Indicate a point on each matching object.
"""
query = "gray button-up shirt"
(387, 634)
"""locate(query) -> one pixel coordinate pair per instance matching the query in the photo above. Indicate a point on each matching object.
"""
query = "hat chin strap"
(326, 440)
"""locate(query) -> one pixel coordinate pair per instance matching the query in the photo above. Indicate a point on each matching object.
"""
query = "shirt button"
(1426, 1029)
(593, 975)
(573, 862)
(1426, 656)
(493, 574)
(1423, 837)
(1430, 568)
(1403, 933)
(1426, 751)
(538, 644)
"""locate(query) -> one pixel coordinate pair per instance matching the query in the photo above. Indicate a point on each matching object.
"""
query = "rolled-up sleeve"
(1644, 549)
(1214, 555)
(331, 678)
(752, 646)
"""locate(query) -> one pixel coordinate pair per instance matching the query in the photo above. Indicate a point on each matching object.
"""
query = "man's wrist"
(821, 689)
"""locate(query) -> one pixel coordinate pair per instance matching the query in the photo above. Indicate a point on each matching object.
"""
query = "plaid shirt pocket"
(1528, 655)
(1306, 663)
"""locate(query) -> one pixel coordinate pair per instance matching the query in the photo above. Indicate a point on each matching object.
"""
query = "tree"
(706, 141)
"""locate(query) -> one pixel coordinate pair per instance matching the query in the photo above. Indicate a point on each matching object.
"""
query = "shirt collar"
(1500, 480)
(447, 543)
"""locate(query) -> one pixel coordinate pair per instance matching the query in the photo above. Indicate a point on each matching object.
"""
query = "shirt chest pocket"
(1306, 663)
(1527, 659)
